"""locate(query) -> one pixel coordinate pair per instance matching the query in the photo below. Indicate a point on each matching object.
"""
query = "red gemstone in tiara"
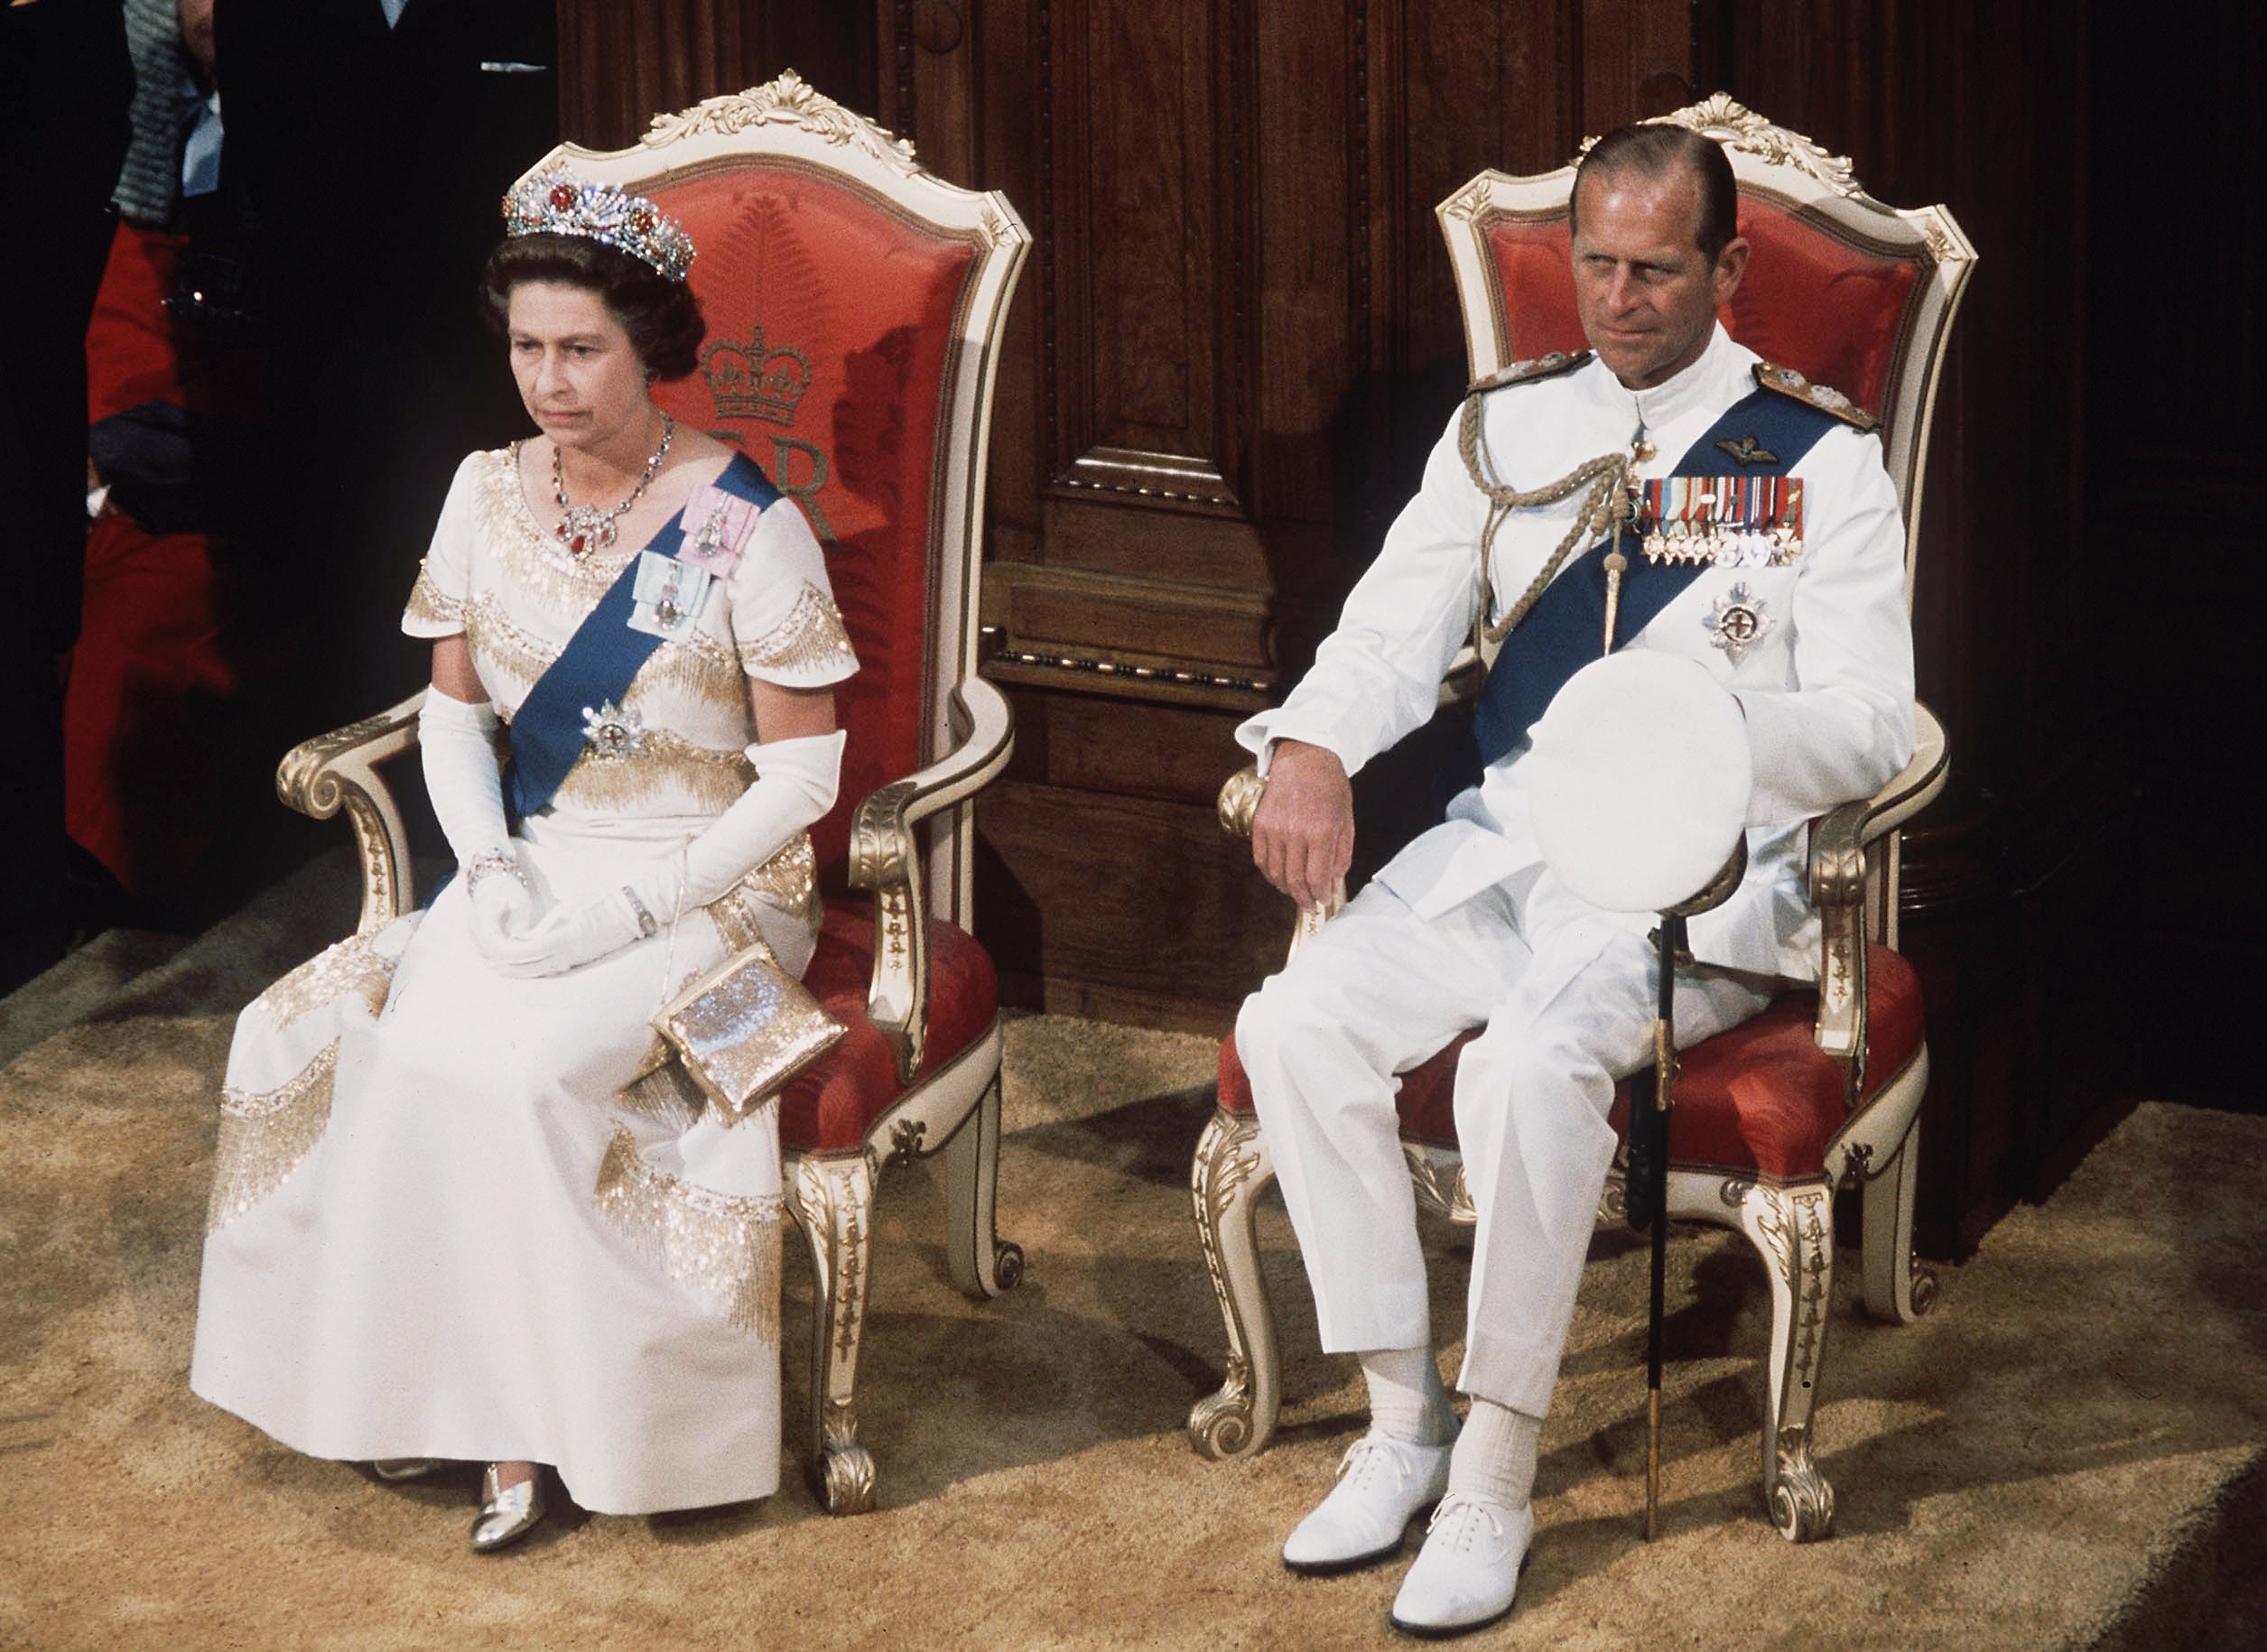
(557, 202)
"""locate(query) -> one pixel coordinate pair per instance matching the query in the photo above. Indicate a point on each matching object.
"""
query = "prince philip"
(1666, 491)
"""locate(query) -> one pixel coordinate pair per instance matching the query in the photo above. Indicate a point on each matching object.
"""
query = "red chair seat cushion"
(1761, 1100)
(831, 1105)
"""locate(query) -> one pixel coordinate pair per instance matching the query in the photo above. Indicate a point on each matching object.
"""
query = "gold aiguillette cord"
(1617, 565)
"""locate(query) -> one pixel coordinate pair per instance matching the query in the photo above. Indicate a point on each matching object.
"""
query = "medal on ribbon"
(718, 525)
(613, 732)
(1722, 521)
(667, 595)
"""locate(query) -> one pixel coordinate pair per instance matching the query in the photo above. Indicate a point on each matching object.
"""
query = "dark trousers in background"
(65, 82)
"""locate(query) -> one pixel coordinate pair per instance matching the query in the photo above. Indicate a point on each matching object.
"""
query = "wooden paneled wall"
(1238, 336)
(621, 65)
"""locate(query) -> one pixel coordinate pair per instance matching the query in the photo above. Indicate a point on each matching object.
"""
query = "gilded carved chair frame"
(968, 739)
(1854, 863)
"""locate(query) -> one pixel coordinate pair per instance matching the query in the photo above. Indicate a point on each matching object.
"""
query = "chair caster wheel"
(1924, 1288)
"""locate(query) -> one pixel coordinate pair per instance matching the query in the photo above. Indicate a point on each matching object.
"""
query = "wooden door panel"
(1141, 373)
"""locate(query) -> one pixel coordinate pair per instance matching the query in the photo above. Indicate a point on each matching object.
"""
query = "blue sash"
(1565, 628)
(597, 665)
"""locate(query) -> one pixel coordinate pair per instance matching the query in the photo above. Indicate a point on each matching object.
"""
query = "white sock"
(1495, 1455)
(1408, 1400)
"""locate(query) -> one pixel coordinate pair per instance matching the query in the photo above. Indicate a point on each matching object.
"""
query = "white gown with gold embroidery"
(447, 1220)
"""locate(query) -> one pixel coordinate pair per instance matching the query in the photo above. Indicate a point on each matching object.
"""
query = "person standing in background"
(153, 763)
(372, 140)
(65, 84)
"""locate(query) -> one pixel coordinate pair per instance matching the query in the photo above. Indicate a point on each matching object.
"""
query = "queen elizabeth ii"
(465, 1208)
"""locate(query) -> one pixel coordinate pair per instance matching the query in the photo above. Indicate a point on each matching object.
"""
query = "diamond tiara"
(558, 203)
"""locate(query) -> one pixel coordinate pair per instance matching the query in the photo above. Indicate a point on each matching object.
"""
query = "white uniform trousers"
(1566, 995)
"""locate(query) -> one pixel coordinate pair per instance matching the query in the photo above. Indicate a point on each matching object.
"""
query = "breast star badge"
(1737, 621)
(613, 732)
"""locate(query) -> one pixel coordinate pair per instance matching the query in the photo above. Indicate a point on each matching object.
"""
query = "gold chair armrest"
(1838, 842)
(1240, 796)
(885, 857)
(338, 770)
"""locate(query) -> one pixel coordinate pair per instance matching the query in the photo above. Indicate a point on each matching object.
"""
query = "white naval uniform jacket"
(1827, 689)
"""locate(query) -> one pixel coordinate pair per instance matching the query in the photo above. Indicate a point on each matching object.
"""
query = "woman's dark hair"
(661, 316)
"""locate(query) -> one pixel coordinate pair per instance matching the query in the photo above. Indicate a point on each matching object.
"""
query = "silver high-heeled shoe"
(397, 1469)
(507, 1513)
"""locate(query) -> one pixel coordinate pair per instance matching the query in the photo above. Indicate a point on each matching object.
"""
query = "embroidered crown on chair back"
(831, 324)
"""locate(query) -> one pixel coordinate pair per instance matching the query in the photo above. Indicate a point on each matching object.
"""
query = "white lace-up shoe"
(1381, 1484)
(1465, 1574)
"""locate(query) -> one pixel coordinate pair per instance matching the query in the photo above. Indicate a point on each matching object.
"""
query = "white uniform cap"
(1638, 780)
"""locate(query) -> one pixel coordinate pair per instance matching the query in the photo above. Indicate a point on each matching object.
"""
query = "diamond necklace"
(585, 528)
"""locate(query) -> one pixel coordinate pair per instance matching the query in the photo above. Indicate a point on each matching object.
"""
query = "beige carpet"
(2066, 1454)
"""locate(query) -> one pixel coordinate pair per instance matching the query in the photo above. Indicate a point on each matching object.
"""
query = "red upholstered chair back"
(852, 302)
(830, 323)
(1834, 312)
(1843, 289)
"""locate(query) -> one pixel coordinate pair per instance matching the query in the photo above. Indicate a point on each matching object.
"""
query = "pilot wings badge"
(1747, 450)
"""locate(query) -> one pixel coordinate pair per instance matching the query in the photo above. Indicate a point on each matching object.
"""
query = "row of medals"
(1703, 544)
(1702, 539)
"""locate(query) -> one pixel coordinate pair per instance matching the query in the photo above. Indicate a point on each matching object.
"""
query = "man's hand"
(1303, 833)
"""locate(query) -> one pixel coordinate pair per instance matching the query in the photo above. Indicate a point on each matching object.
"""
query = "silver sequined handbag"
(745, 1028)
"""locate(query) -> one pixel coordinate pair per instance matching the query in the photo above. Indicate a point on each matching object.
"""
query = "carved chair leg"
(1897, 1287)
(982, 1263)
(1794, 1229)
(834, 1200)
(1231, 1171)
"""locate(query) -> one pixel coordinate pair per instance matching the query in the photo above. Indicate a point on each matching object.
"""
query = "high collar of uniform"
(1699, 386)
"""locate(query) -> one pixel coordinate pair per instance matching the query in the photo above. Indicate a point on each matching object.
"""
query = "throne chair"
(1824, 1088)
(855, 303)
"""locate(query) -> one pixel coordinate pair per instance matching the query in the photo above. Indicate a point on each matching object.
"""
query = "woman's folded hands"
(568, 937)
(795, 785)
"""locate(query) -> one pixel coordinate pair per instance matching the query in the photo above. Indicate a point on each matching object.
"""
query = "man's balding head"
(1656, 152)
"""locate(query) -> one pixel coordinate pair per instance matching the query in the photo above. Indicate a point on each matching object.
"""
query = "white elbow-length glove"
(457, 742)
(794, 786)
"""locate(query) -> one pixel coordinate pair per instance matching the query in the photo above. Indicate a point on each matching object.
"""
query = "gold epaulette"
(1528, 372)
(1824, 397)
